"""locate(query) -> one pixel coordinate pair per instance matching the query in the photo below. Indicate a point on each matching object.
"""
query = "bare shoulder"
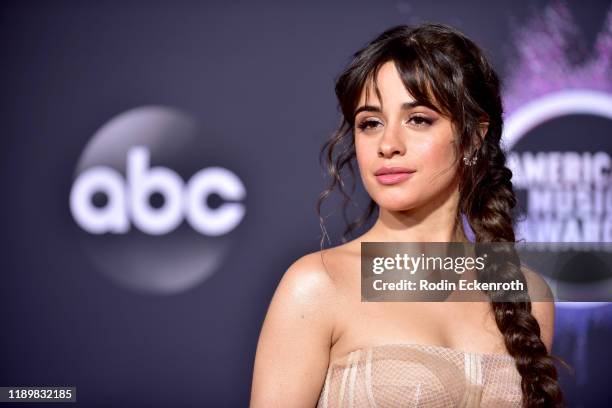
(305, 293)
(293, 349)
(542, 305)
(538, 288)
(307, 277)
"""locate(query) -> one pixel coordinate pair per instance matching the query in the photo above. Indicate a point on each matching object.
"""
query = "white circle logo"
(142, 200)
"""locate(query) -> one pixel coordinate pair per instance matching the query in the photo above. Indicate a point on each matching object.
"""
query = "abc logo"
(128, 199)
(155, 207)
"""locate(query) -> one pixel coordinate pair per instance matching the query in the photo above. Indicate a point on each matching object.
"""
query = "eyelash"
(425, 121)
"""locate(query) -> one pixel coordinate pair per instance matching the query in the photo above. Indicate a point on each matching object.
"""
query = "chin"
(394, 203)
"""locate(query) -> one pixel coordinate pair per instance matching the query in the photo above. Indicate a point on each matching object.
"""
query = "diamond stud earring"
(469, 162)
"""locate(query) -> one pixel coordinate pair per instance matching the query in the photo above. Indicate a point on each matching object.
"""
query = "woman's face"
(416, 138)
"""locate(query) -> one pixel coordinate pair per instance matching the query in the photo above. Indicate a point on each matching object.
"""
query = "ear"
(482, 129)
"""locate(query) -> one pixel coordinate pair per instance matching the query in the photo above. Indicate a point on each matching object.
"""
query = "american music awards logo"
(558, 134)
(152, 217)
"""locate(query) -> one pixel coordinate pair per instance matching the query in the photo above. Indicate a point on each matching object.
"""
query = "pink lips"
(393, 175)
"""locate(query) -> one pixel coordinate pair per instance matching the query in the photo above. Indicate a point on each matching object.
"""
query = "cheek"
(365, 156)
(436, 153)
(437, 160)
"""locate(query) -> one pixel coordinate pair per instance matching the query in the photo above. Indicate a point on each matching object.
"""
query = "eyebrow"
(375, 108)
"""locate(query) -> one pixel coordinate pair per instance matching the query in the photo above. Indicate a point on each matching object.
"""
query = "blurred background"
(160, 172)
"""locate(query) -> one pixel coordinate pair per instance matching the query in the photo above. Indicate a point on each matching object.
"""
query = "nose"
(391, 143)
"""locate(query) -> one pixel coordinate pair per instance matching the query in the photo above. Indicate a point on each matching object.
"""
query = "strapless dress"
(418, 375)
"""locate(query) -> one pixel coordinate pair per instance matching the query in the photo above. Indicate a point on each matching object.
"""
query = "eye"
(420, 121)
(367, 124)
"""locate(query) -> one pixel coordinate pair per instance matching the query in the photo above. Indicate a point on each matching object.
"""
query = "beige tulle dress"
(416, 375)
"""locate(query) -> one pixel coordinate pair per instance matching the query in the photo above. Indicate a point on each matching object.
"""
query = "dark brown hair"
(446, 71)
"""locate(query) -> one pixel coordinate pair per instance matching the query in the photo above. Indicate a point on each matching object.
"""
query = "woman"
(423, 101)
